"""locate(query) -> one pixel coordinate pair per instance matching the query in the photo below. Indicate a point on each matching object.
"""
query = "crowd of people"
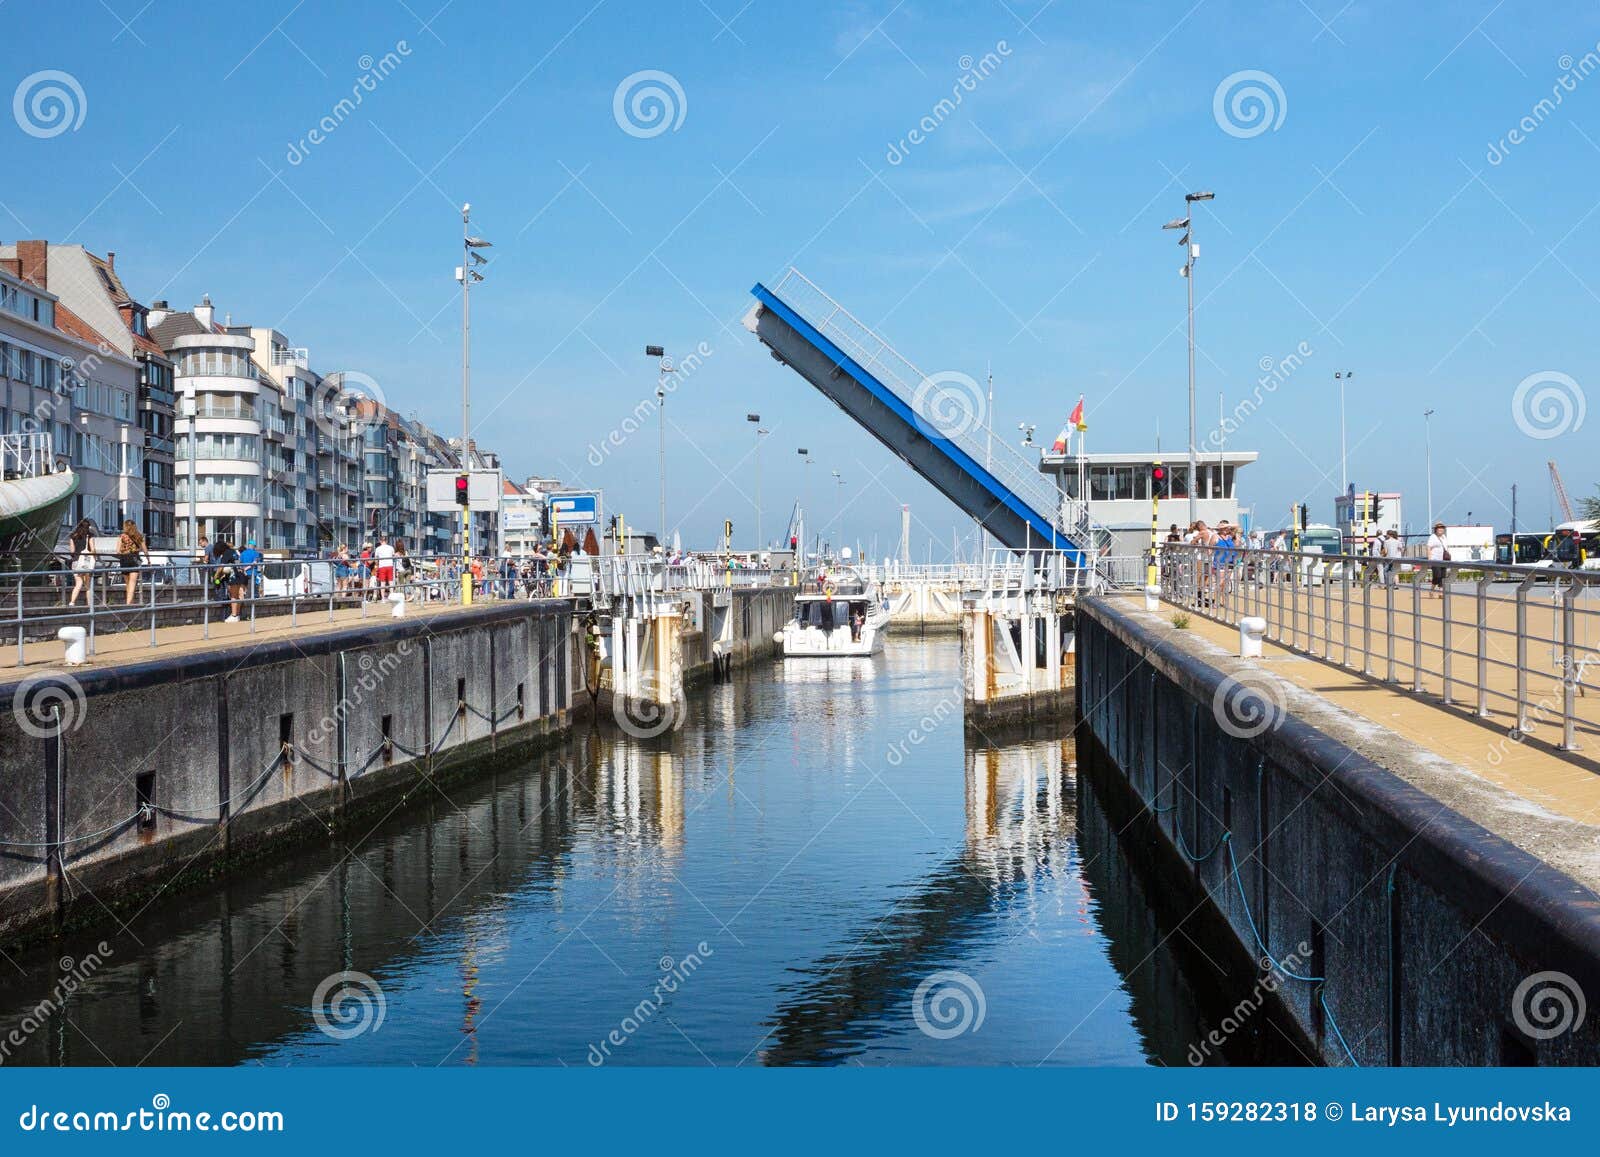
(1230, 546)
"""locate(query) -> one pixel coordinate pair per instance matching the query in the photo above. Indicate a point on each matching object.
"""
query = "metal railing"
(967, 428)
(635, 575)
(178, 591)
(1508, 641)
(25, 455)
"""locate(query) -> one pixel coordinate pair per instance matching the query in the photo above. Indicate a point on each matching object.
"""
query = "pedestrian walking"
(131, 551)
(81, 540)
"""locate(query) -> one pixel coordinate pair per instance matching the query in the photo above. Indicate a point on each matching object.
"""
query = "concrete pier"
(1411, 911)
(125, 779)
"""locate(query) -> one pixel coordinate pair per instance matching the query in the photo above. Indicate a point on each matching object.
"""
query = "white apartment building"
(64, 376)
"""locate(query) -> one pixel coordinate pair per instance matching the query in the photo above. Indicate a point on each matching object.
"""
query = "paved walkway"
(1565, 783)
(112, 649)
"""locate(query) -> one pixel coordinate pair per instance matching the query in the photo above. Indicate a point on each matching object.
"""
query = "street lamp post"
(1427, 442)
(1342, 377)
(663, 368)
(838, 502)
(466, 274)
(1191, 252)
(191, 410)
(756, 420)
(805, 506)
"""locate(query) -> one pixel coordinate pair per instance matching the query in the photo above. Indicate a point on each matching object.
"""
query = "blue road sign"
(575, 508)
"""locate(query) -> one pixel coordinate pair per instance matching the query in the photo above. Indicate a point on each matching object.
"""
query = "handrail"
(1522, 652)
(180, 589)
(970, 429)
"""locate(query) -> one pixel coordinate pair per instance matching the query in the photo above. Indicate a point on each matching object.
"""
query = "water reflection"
(517, 918)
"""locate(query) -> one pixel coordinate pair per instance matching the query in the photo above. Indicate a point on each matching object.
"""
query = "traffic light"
(1158, 479)
(794, 542)
(1376, 508)
(461, 490)
(1300, 517)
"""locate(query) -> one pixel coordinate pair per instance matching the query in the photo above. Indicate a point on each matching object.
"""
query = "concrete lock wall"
(1423, 927)
(152, 769)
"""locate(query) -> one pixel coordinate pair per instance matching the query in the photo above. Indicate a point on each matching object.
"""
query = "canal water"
(817, 867)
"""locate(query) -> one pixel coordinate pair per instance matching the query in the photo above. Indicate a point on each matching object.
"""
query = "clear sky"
(1375, 209)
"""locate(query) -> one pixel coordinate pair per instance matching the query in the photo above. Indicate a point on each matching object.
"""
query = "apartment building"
(75, 376)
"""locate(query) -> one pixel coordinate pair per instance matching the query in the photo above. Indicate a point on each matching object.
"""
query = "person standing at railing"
(1225, 557)
(383, 566)
(81, 540)
(131, 551)
(403, 567)
(224, 560)
(1438, 553)
(1393, 550)
(250, 559)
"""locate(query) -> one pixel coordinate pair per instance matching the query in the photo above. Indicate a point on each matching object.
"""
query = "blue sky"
(1369, 222)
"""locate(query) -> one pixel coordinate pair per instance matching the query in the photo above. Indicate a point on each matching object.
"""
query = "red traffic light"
(461, 490)
(1158, 473)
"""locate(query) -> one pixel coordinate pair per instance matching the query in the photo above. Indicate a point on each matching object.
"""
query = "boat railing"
(26, 455)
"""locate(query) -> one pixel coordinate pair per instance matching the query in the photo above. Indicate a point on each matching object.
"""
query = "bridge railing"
(636, 575)
(947, 405)
(1515, 644)
(103, 595)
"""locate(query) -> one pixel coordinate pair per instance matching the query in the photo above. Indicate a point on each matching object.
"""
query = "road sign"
(574, 508)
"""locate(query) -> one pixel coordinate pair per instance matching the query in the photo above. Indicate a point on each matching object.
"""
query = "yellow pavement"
(1566, 783)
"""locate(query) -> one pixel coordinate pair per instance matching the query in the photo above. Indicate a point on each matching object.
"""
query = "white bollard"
(76, 639)
(1152, 598)
(1251, 628)
(399, 601)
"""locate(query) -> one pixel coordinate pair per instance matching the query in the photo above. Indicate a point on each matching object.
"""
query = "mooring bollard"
(1251, 629)
(399, 601)
(76, 639)
(1152, 598)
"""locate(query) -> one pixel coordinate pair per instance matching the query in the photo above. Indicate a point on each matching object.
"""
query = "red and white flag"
(1059, 446)
(1075, 419)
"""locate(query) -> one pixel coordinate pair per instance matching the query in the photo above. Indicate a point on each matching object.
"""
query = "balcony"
(159, 444)
(157, 396)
